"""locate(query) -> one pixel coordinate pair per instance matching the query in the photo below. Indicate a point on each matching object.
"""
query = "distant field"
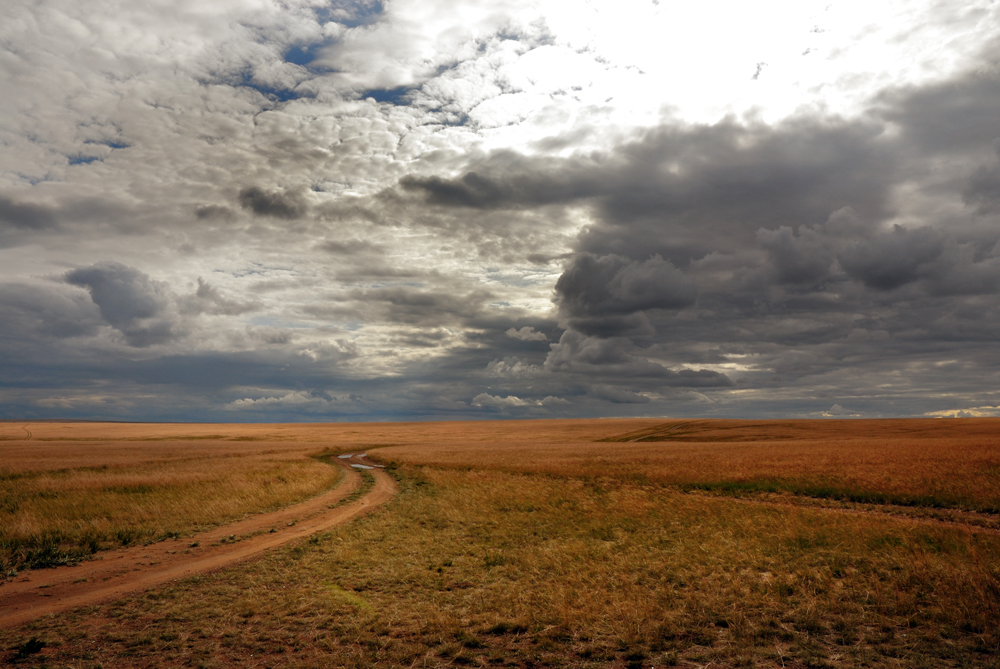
(573, 543)
(946, 463)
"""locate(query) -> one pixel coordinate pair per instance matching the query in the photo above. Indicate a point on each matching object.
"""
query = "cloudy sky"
(276, 210)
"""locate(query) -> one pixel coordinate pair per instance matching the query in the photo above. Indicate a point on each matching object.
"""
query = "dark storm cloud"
(936, 261)
(965, 269)
(683, 191)
(277, 204)
(436, 308)
(954, 116)
(213, 211)
(894, 259)
(619, 359)
(785, 246)
(20, 222)
(25, 216)
(34, 311)
(804, 258)
(251, 369)
(508, 180)
(983, 189)
(603, 294)
(350, 247)
(419, 306)
(808, 191)
(199, 385)
(129, 300)
(688, 191)
(617, 395)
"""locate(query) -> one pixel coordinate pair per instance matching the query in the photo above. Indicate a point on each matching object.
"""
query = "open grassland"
(930, 463)
(72, 490)
(487, 568)
(534, 544)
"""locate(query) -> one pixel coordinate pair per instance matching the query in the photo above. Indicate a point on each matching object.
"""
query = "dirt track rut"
(116, 574)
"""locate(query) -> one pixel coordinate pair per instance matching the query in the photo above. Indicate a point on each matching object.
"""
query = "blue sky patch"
(306, 54)
(394, 96)
(270, 92)
(301, 55)
(82, 160)
(350, 13)
(111, 144)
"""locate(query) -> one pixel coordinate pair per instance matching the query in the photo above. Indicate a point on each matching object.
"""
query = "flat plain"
(623, 543)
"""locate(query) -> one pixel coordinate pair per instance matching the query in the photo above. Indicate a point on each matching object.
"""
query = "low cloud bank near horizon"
(295, 221)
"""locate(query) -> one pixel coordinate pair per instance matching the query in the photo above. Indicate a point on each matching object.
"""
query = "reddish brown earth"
(118, 573)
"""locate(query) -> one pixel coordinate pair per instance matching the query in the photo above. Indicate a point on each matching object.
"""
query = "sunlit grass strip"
(59, 517)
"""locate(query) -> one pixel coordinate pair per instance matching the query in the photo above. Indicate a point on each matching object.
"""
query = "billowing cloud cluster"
(348, 210)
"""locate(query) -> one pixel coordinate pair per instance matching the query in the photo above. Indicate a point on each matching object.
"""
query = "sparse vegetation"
(367, 481)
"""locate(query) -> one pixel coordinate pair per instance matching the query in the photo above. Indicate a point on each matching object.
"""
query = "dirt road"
(116, 574)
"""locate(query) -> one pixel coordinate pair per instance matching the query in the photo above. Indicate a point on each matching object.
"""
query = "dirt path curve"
(118, 573)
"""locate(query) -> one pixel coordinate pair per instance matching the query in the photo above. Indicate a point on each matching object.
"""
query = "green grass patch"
(837, 492)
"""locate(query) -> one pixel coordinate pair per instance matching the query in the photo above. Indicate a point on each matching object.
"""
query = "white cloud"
(837, 411)
(512, 367)
(290, 398)
(968, 412)
(487, 400)
(526, 333)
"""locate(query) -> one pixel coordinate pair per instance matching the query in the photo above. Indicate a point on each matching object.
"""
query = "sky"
(304, 210)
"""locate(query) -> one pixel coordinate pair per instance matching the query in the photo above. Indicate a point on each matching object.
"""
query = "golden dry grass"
(535, 544)
(915, 461)
(73, 489)
(72, 445)
(953, 461)
(486, 568)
